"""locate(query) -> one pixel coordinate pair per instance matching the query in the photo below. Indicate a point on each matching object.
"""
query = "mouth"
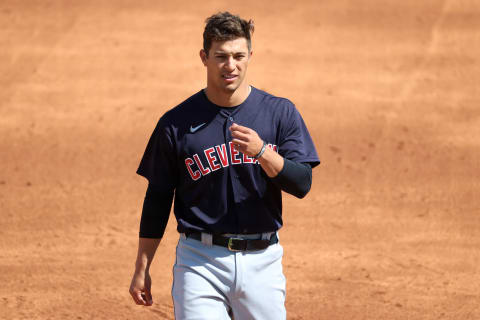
(229, 77)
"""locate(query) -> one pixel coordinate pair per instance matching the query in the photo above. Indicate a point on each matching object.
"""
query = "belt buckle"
(230, 244)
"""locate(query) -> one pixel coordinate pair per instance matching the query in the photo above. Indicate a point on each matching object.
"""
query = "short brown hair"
(225, 26)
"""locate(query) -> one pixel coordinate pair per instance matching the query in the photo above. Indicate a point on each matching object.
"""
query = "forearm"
(155, 212)
(292, 177)
(141, 285)
(271, 162)
(146, 251)
(156, 209)
(295, 178)
(248, 142)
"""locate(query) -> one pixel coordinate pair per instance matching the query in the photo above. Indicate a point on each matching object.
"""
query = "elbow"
(300, 194)
(307, 184)
(303, 193)
(304, 188)
(295, 178)
(152, 235)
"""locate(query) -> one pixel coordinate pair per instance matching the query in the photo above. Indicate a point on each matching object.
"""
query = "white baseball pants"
(211, 282)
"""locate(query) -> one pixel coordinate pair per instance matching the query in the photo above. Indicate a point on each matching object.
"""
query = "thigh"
(194, 291)
(194, 297)
(262, 294)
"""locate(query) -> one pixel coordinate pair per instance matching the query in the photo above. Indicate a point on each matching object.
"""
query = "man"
(226, 153)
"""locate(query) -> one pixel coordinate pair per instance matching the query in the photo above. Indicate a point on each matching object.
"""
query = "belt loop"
(207, 239)
(267, 235)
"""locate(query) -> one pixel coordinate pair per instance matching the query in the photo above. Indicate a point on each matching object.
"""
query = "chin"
(231, 88)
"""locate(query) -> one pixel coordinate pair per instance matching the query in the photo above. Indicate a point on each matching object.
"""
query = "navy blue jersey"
(218, 189)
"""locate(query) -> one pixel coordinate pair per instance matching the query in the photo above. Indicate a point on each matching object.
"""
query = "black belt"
(237, 244)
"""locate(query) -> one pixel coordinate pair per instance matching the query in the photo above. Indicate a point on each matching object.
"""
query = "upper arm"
(296, 144)
(158, 164)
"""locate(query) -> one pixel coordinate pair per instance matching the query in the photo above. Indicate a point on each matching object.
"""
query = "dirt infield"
(388, 89)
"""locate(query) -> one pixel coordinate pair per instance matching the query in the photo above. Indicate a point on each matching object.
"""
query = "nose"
(230, 64)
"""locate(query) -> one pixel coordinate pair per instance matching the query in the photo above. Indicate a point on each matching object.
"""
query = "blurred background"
(389, 92)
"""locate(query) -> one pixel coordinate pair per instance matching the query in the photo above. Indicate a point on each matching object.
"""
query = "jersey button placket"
(230, 118)
(234, 176)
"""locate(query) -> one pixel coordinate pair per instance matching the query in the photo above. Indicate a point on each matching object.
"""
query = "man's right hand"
(140, 288)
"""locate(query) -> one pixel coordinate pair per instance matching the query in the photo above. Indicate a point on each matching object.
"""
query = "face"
(226, 64)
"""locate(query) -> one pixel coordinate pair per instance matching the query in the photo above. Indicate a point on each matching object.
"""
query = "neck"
(228, 99)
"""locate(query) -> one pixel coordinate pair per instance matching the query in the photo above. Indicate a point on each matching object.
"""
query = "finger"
(240, 135)
(240, 148)
(148, 298)
(240, 128)
(136, 299)
(137, 296)
(133, 293)
(237, 143)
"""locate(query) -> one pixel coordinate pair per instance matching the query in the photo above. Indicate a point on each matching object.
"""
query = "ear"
(203, 56)
(251, 54)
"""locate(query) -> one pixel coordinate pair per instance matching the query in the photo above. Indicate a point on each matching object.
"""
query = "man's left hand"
(246, 140)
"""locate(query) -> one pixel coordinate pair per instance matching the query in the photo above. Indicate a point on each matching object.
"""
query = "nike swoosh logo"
(194, 129)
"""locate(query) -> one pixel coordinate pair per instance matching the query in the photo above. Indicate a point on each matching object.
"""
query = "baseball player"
(225, 154)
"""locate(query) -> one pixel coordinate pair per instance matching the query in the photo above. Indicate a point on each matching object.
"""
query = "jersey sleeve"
(158, 164)
(296, 144)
